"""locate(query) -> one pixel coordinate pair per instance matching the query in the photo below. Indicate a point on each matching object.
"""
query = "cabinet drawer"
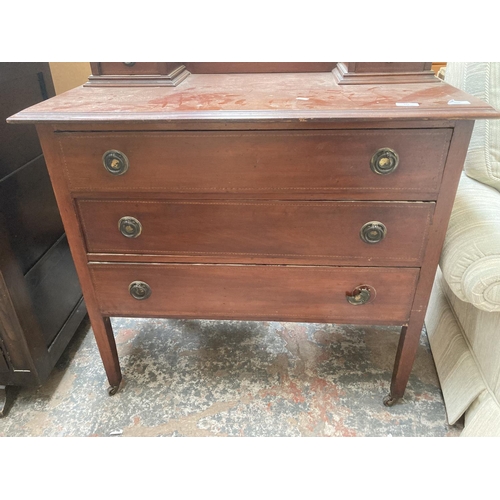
(340, 233)
(132, 68)
(287, 293)
(282, 164)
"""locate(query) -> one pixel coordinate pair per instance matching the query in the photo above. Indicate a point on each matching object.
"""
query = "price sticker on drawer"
(407, 104)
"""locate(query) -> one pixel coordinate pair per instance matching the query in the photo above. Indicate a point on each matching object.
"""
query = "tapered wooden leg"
(410, 335)
(105, 339)
(3, 399)
(405, 356)
(67, 207)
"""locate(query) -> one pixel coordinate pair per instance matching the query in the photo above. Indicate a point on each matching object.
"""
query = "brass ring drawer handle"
(129, 64)
(115, 162)
(130, 227)
(384, 161)
(139, 290)
(373, 232)
(362, 294)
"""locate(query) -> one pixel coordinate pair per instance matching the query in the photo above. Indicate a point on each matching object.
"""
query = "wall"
(68, 75)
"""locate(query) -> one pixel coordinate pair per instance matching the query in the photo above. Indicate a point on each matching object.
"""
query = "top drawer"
(287, 164)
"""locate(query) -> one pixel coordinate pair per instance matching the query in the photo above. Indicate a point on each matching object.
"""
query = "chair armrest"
(470, 259)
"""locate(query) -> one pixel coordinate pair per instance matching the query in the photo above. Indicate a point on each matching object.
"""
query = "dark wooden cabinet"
(41, 301)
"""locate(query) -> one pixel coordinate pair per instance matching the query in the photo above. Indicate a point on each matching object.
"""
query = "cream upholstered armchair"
(463, 317)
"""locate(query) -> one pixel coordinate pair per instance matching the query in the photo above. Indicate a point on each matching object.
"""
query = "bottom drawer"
(258, 292)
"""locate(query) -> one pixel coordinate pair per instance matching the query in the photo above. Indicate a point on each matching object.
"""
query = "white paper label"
(407, 104)
(452, 101)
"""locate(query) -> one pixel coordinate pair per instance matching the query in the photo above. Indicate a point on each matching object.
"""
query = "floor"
(215, 378)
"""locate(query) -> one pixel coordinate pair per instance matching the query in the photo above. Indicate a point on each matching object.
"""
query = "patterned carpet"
(213, 378)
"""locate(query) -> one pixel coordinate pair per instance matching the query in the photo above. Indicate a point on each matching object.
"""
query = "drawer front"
(284, 164)
(131, 68)
(285, 293)
(339, 233)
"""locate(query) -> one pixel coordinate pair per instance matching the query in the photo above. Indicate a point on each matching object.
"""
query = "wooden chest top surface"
(257, 98)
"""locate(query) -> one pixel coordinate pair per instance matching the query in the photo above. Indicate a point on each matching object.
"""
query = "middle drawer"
(339, 233)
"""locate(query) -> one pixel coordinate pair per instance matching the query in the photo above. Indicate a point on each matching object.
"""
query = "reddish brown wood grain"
(101, 326)
(258, 67)
(138, 68)
(284, 293)
(410, 335)
(383, 73)
(329, 163)
(259, 98)
(203, 158)
(388, 67)
(260, 232)
(136, 74)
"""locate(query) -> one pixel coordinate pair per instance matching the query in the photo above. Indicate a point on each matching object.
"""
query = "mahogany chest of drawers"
(270, 196)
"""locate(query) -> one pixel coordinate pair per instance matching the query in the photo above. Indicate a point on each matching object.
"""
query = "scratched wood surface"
(275, 96)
